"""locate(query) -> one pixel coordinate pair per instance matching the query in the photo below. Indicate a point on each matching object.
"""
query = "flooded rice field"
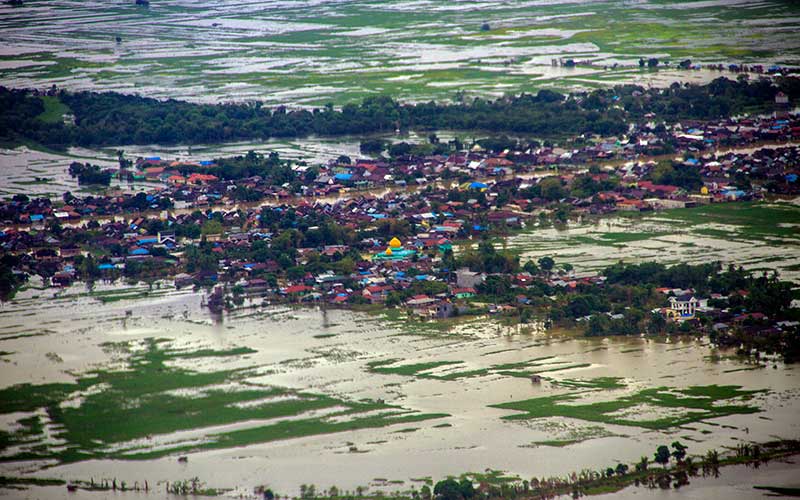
(39, 173)
(758, 236)
(284, 397)
(318, 51)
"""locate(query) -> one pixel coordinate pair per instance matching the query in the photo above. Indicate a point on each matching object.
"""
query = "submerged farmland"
(374, 300)
(286, 396)
(310, 53)
(760, 236)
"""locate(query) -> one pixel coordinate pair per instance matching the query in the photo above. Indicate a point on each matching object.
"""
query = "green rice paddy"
(524, 369)
(667, 407)
(155, 397)
(287, 53)
(756, 235)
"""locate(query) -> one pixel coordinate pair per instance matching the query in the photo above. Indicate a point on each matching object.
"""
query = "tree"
(662, 455)
(598, 325)
(372, 146)
(742, 181)
(547, 263)
(88, 268)
(642, 465)
(621, 469)
(530, 267)
(712, 457)
(200, 258)
(466, 488)
(399, 149)
(9, 280)
(425, 492)
(657, 323)
(552, 189)
(679, 451)
(447, 489)
(211, 227)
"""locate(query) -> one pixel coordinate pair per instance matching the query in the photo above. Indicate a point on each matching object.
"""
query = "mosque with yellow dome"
(394, 251)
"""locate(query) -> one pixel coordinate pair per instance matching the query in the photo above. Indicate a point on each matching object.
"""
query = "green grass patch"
(54, 110)
(412, 370)
(694, 404)
(530, 373)
(556, 443)
(782, 491)
(615, 239)
(594, 383)
(154, 397)
(6, 481)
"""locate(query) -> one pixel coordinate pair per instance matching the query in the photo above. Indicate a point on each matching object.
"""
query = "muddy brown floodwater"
(327, 352)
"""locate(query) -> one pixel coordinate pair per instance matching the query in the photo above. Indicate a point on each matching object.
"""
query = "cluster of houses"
(376, 280)
(439, 214)
(772, 170)
(441, 198)
(685, 305)
(408, 269)
(694, 145)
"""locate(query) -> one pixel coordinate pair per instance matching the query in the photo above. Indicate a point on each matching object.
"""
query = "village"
(726, 155)
(272, 250)
(410, 231)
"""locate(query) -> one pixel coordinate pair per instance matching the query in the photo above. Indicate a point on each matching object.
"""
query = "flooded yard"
(281, 396)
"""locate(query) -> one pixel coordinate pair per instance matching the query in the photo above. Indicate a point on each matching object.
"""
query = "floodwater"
(324, 352)
(310, 53)
(733, 483)
(38, 173)
(759, 236)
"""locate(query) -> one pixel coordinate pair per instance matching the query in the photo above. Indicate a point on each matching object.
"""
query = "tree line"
(110, 118)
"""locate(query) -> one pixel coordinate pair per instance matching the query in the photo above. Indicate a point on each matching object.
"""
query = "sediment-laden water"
(313, 52)
(285, 397)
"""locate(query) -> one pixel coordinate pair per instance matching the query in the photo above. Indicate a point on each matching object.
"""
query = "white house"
(687, 305)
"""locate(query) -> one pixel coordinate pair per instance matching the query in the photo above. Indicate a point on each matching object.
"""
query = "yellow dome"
(388, 251)
(703, 190)
(394, 243)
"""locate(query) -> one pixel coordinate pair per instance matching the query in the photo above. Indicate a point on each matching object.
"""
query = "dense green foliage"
(89, 174)
(112, 118)
(684, 177)
(9, 280)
